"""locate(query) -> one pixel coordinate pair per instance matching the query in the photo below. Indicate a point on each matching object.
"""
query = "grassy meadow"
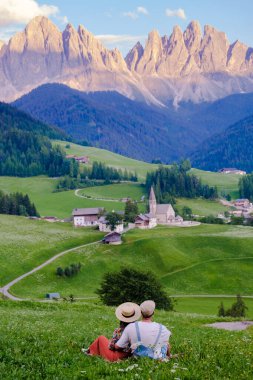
(207, 259)
(116, 191)
(109, 158)
(201, 207)
(26, 243)
(48, 346)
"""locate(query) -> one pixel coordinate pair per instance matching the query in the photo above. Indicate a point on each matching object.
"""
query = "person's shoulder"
(164, 328)
(130, 327)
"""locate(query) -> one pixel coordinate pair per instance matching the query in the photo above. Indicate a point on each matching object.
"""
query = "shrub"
(133, 285)
(238, 309)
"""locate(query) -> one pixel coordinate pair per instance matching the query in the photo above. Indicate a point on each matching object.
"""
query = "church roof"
(163, 208)
(152, 195)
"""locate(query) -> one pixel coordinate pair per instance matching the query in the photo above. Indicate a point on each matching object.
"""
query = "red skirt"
(100, 348)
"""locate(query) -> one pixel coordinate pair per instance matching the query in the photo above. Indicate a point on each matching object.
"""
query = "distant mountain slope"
(25, 148)
(114, 122)
(231, 148)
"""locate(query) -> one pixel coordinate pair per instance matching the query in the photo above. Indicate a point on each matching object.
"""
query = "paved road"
(5, 289)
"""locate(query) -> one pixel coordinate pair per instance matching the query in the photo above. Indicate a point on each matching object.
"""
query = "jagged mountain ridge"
(185, 66)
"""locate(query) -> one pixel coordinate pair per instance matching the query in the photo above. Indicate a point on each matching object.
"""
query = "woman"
(126, 313)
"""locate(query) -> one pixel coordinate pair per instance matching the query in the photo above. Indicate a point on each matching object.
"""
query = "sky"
(121, 23)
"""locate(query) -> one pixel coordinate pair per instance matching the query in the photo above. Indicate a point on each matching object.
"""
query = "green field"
(47, 345)
(201, 206)
(109, 158)
(61, 204)
(227, 183)
(26, 243)
(117, 191)
(207, 259)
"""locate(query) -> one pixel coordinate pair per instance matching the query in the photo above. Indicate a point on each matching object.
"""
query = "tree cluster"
(17, 204)
(100, 171)
(113, 219)
(131, 211)
(246, 186)
(176, 182)
(133, 285)
(69, 271)
(238, 309)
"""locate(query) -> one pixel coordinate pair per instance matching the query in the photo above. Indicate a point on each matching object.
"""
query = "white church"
(158, 214)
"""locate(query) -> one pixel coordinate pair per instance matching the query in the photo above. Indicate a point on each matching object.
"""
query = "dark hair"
(123, 324)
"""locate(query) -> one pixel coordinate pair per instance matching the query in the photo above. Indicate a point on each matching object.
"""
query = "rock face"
(184, 66)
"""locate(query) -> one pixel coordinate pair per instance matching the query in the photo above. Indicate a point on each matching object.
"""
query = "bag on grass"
(143, 351)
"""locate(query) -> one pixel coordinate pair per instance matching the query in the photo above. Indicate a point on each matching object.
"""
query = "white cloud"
(16, 12)
(135, 14)
(142, 10)
(180, 13)
(132, 15)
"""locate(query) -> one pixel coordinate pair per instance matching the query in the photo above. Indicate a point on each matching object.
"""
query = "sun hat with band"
(147, 308)
(128, 312)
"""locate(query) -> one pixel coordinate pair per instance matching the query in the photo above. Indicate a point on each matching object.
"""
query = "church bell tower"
(152, 202)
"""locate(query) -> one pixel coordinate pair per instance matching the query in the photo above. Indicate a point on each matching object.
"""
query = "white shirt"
(148, 332)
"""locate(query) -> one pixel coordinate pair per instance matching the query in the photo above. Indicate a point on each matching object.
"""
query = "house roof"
(87, 211)
(145, 217)
(231, 170)
(163, 208)
(112, 237)
(242, 200)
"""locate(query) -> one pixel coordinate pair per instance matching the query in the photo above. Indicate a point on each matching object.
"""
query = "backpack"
(143, 351)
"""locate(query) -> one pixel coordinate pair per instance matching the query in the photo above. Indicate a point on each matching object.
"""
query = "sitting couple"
(132, 338)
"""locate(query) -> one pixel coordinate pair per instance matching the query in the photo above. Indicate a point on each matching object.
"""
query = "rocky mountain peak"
(133, 57)
(192, 37)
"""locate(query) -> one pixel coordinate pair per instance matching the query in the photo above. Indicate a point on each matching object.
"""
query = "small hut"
(53, 296)
(112, 238)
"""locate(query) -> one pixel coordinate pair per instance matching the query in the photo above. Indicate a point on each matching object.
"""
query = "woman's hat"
(128, 312)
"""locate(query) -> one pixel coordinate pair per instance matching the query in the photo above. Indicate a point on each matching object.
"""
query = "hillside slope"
(231, 148)
(111, 121)
(25, 148)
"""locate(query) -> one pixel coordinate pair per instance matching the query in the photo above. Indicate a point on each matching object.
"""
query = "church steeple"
(152, 202)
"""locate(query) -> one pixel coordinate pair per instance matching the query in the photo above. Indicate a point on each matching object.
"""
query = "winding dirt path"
(5, 289)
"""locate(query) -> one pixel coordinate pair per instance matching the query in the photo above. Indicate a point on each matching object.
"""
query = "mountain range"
(185, 66)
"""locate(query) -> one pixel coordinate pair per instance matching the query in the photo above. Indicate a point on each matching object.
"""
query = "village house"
(81, 159)
(104, 227)
(145, 221)
(113, 238)
(242, 203)
(232, 171)
(83, 217)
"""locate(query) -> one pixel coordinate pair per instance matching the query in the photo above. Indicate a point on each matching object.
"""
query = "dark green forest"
(246, 186)
(25, 147)
(231, 148)
(17, 204)
(177, 182)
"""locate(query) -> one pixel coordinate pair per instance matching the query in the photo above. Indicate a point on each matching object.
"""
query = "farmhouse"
(83, 217)
(103, 225)
(243, 203)
(113, 238)
(232, 171)
(145, 221)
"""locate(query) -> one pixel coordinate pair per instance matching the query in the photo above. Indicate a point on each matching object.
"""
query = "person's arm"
(123, 342)
(115, 337)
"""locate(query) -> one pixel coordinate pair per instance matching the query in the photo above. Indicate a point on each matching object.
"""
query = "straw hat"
(147, 308)
(128, 312)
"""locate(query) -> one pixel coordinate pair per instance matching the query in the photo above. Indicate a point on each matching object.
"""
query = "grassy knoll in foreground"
(26, 243)
(208, 259)
(48, 346)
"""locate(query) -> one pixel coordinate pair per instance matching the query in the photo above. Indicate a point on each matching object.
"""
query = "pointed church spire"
(152, 202)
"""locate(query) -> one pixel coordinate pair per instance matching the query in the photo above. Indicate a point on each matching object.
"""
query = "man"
(146, 338)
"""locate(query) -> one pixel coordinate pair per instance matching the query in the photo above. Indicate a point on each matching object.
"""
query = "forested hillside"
(25, 148)
(134, 129)
(231, 148)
